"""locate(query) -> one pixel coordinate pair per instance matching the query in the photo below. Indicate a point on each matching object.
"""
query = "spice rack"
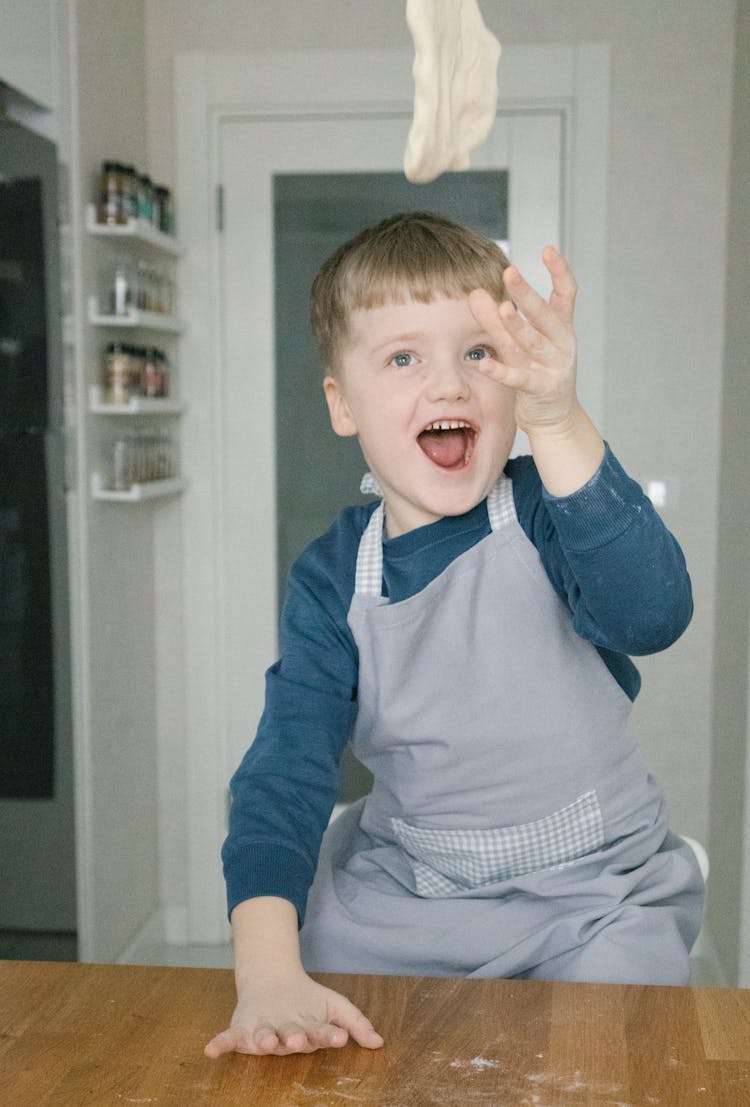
(137, 493)
(134, 229)
(143, 320)
(136, 405)
(141, 242)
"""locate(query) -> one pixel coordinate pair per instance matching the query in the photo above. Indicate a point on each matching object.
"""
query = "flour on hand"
(455, 85)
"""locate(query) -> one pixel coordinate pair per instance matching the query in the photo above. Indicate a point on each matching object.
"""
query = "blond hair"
(414, 255)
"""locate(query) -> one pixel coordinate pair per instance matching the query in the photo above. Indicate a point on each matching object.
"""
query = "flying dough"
(455, 85)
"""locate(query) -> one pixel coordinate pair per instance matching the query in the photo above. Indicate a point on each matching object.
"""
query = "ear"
(342, 420)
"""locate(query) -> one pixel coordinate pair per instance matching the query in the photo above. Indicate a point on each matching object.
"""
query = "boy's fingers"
(564, 286)
(329, 1036)
(218, 1046)
(551, 321)
(238, 1040)
(528, 342)
(488, 315)
(294, 1038)
(350, 1018)
(484, 309)
(553, 317)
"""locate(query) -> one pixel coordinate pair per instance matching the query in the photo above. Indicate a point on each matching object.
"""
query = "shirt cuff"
(266, 869)
(599, 512)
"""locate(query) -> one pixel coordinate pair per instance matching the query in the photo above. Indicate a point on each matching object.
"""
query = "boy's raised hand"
(536, 356)
(535, 343)
(292, 1014)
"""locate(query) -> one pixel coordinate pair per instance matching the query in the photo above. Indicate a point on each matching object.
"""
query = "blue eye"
(402, 361)
(478, 353)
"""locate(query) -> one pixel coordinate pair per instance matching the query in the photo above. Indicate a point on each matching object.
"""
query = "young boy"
(470, 632)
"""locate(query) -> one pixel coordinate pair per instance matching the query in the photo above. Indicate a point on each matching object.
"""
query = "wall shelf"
(135, 230)
(134, 240)
(137, 405)
(145, 320)
(137, 493)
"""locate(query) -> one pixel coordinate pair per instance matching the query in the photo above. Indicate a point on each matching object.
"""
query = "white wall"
(730, 790)
(116, 726)
(26, 49)
(671, 97)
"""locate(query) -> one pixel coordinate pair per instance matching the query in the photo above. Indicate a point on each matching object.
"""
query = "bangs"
(417, 265)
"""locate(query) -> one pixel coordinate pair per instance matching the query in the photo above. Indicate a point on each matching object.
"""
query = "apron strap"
(501, 507)
(369, 577)
(368, 580)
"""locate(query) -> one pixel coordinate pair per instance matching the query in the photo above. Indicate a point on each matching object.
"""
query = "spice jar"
(154, 378)
(116, 288)
(112, 195)
(130, 192)
(119, 373)
(145, 198)
(120, 476)
(167, 210)
(156, 206)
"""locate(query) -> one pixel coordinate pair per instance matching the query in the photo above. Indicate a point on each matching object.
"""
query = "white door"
(251, 152)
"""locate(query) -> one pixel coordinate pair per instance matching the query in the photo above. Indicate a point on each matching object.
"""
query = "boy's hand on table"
(292, 1014)
(536, 355)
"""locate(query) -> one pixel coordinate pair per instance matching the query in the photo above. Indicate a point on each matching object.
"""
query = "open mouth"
(449, 443)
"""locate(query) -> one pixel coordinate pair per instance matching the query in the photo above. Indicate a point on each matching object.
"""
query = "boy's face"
(435, 430)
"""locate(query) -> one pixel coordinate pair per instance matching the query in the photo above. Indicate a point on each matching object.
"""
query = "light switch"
(663, 491)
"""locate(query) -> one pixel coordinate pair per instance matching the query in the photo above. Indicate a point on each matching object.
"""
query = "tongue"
(446, 448)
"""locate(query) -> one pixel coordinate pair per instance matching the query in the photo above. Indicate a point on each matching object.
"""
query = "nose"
(447, 380)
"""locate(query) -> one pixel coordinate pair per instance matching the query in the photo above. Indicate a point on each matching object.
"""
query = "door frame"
(208, 89)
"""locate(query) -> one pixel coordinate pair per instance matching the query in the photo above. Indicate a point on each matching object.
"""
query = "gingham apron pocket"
(445, 862)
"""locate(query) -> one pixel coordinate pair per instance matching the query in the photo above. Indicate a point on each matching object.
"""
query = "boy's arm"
(283, 793)
(285, 788)
(607, 553)
(280, 1009)
(622, 572)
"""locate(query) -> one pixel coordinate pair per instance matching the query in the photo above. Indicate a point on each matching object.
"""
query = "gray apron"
(513, 828)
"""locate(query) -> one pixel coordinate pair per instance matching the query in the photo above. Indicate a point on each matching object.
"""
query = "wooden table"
(79, 1035)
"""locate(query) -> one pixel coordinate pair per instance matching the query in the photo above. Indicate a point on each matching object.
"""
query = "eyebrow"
(398, 340)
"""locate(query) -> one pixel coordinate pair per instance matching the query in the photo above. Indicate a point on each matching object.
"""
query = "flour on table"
(477, 1063)
(455, 85)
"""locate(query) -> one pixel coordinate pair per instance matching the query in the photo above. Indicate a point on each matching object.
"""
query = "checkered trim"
(368, 580)
(448, 861)
(369, 485)
(501, 506)
(369, 576)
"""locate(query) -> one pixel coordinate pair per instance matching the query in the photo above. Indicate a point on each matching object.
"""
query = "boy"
(470, 633)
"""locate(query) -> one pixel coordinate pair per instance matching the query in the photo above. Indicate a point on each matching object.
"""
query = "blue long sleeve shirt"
(607, 554)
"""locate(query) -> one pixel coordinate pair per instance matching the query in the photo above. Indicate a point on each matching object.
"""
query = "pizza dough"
(455, 85)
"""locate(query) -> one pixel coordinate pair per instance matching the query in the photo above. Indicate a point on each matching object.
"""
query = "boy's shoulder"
(343, 535)
(329, 561)
(527, 484)
(522, 470)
